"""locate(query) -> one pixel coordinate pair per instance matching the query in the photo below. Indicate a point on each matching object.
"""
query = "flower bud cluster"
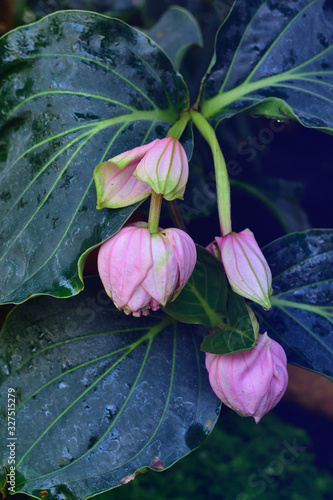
(142, 267)
(160, 166)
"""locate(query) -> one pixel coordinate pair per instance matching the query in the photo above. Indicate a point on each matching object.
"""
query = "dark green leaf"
(203, 300)
(276, 59)
(99, 395)
(200, 194)
(41, 9)
(301, 318)
(76, 88)
(240, 332)
(282, 199)
(175, 33)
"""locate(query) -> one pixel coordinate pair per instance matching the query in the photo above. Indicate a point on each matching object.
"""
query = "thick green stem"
(178, 128)
(221, 172)
(154, 212)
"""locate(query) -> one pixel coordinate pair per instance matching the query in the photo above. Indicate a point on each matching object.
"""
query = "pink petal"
(139, 300)
(118, 188)
(162, 278)
(135, 154)
(245, 265)
(129, 259)
(103, 260)
(165, 168)
(184, 251)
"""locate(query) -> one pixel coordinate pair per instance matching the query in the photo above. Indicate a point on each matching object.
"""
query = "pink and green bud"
(165, 168)
(142, 271)
(253, 382)
(130, 177)
(247, 270)
(115, 184)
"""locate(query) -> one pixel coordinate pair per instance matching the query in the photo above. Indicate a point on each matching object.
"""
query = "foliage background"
(238, 448)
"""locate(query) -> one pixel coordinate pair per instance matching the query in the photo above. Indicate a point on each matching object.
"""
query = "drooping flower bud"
(253, 382)
(159, 166)
(141, 271)
(165, 168)
(247, 270)
(115, 184)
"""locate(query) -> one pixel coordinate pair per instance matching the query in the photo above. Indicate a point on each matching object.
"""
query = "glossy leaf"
(41, 9)
(175, 33)
(273, 59)
(77, 88)
(203, 300)
(99, 395)
(281, 198)
(301, 318)
(240, 332)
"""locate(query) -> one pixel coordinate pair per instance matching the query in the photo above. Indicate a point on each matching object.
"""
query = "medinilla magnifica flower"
(141, 271)
(246, 268)
(160, 166)
(253, 382)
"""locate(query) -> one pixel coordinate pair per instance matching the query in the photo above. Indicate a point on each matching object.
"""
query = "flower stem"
(178, 128)
(154, 212)
(221, 172)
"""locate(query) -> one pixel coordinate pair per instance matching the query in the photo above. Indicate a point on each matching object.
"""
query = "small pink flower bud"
(165, 168)
(141, 271)
(253, 382)
(247, 270)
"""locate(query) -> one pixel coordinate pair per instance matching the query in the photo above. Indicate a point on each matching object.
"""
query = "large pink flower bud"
(253, 382)
(165, 168)
(141, 271)
(247, 270)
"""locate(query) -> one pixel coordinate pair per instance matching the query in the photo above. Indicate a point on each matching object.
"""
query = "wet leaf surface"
(99, 395)
(273, 59)
(78, 88)
(302, 315)
(175, 33)
(41, 9)
(204, 298)
(240, 332)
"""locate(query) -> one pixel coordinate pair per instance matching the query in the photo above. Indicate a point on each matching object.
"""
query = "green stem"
(154, 212)
(221, 172)
(178, 128)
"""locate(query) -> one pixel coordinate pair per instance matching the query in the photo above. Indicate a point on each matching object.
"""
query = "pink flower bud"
(130, 177)
(141, 271)
(165, 168)
(248, 273)
(115, 184)
(253, 382)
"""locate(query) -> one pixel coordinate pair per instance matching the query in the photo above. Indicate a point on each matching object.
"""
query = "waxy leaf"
(76, 89)
(204, 298)
(282, 198)
(274, 59)
(41, 9)
(175, 33)
(99, 395)
(302, 315)
(240, 332)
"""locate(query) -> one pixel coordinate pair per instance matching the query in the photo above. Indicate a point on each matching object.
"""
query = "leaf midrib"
(151, 334)
(216, 104)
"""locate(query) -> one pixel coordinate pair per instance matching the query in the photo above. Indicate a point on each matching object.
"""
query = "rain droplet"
(62, 385)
